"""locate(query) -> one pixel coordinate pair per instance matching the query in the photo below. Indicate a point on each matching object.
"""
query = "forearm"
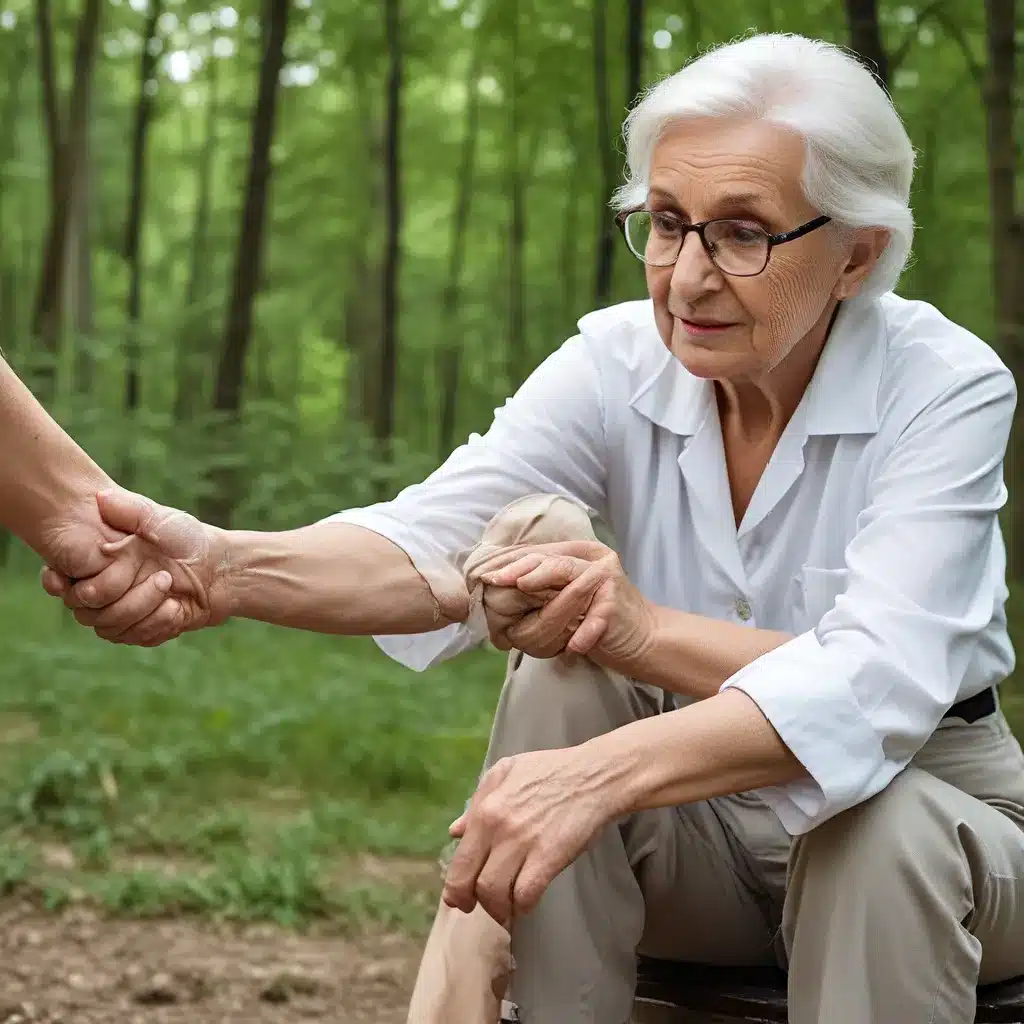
(337, 578)
(43, 472)
(711, 748)
(694, 655)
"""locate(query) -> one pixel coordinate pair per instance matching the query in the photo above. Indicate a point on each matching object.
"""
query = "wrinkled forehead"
(728, 166)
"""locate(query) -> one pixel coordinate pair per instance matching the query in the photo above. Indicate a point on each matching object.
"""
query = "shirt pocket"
(815, 591)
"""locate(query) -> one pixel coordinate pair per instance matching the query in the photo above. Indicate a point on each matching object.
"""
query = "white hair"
(859, 161)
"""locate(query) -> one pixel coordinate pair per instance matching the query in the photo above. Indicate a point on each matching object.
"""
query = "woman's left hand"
(588, 596)
(532, 815)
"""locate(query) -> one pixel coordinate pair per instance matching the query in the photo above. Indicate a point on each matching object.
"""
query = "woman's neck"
(757, 411)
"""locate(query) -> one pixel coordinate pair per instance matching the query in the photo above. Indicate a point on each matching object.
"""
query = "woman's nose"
(694, 273)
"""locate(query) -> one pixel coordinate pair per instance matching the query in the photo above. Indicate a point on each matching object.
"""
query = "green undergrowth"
(245, 772)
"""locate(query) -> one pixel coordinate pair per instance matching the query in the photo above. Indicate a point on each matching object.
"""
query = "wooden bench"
(669, 991)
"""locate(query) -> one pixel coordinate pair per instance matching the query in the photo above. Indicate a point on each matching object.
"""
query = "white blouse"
(872, 535)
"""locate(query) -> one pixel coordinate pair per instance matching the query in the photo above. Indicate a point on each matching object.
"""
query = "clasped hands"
(135, 571)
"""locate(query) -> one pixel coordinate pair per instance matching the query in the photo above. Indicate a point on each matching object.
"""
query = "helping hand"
(159, 579)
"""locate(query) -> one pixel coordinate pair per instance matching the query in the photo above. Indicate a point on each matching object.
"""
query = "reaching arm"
(337, 578)
(43, 473)
(390, 570)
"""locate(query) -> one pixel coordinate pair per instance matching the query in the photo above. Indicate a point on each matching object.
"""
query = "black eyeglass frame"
(701, 226)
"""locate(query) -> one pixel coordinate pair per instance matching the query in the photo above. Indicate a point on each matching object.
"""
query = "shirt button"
(742, 607)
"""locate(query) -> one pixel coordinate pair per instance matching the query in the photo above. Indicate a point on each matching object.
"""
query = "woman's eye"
(664, 223)
(744, 234)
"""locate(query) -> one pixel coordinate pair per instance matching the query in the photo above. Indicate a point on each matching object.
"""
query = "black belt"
(981, 705)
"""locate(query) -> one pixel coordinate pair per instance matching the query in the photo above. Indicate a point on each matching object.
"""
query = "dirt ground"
(79, 967)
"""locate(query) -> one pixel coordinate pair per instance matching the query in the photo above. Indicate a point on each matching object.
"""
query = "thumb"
(126, 511)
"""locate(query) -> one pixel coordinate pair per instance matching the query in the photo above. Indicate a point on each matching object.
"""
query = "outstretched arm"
(48, 484)
(328, 577)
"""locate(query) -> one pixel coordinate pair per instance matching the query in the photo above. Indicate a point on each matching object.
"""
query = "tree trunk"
(634, 51)
(450, 358)
(133, 234)
(570, 220)
(79, 292)
(866, 37)
(605, 227)
(9, 310)
(50, 93)
(217, 507)
(195, 332)
(515, 356)
(133, 222)
(1007, 238)
(385, 420)
(46, 317)
(361, 323)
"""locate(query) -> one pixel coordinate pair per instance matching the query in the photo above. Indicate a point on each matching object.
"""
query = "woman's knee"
(562, 702)
(909, 828)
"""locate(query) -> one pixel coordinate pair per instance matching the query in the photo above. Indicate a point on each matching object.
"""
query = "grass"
(240, 772)
(242, 767)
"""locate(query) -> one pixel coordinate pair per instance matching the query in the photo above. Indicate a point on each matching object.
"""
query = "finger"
(474, 844)
(496, 882)
(588, 635)
(533, 637)
(589, 550)
(538, 871)
(509, 602)
(508, 574)
(467, 863)
(106, 587)
(114, 547)
(556, 571)
(166, 623)
(574, 600)
(126, 511)
(54, 583)
(140, 601)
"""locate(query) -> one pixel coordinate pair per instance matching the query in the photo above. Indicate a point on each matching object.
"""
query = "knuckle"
(492, 812)
(526, 896)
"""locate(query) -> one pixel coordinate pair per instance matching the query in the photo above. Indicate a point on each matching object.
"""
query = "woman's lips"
(703, 329)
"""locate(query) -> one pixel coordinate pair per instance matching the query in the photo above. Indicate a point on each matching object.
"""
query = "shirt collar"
(842, 397)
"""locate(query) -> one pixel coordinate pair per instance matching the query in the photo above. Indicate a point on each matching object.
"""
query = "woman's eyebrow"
(732, 203)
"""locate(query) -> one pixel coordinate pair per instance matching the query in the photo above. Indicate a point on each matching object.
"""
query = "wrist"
(634, 657)
(232, 558)
(617, 767)
(46, 506)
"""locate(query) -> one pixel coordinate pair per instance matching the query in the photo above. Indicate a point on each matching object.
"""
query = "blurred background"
(269, 260)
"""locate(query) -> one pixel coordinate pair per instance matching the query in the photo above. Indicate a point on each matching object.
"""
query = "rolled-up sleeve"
(856, 697)
(548, 438)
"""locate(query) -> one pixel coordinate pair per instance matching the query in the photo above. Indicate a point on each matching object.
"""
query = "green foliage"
(302, 447)
(229, 773)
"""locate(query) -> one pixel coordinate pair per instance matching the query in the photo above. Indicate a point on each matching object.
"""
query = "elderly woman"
(766, 727)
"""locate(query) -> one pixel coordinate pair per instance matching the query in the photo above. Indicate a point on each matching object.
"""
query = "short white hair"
(859, 161)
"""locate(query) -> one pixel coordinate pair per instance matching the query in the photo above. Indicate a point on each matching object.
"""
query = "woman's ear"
(868, 245)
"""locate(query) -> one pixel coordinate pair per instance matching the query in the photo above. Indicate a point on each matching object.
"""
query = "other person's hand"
(158, 577)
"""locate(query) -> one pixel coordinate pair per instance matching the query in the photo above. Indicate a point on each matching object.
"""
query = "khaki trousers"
(889, 913)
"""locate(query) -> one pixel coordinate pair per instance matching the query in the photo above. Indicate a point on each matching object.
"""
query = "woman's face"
(741, 328)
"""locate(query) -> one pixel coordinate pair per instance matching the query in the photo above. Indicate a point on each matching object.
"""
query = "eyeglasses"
(736, 247)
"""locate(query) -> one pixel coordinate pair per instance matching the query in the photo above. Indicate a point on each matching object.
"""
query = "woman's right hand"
(166, 578)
